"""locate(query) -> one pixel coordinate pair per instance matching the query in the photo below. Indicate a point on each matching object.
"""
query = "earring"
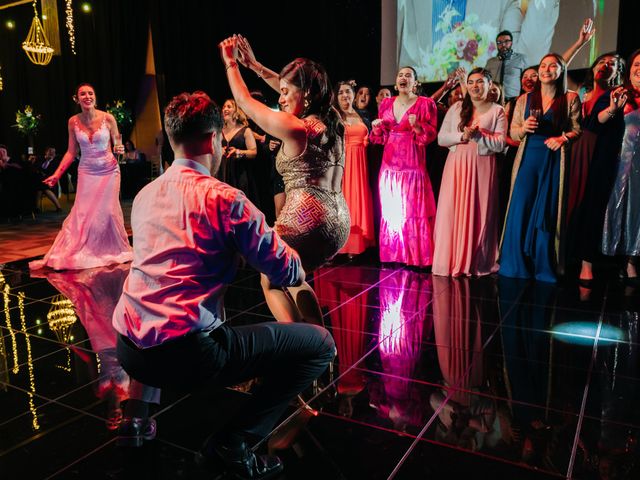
(395, 87)
(306, 103)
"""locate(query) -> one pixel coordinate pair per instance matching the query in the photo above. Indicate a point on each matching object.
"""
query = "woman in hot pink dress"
(355, 183)
(405, 125)
(466, 231)
(93, 234)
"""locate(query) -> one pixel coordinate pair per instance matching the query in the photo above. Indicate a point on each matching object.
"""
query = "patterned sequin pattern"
(314, 220)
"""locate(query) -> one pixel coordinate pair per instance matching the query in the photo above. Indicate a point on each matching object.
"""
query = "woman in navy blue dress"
(545, 122)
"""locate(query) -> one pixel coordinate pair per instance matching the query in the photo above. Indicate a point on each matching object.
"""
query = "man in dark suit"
(45, 169)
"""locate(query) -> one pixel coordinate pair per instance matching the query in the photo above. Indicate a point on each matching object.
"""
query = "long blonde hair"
(238, 115)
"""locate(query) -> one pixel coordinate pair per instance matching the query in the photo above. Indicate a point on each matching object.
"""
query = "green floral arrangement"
(27, 122)
(121, 113)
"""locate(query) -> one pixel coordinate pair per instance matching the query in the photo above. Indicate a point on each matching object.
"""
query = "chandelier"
(36, 45)
(61, 317)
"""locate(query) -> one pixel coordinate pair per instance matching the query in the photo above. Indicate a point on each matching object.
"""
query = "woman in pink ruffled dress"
(406, 124)
(93, 234)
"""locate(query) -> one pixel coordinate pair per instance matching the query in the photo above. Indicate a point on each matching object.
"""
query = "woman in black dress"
(240, 150)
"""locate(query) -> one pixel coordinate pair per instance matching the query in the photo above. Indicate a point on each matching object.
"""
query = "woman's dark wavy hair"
(633, 101)
(466, 111)
(589, 79)
(352, 85)
(559, 104)
(312, 79)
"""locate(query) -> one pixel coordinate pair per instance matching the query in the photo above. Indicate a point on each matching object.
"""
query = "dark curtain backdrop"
(111, 48)
(342, 35)
(111, 45)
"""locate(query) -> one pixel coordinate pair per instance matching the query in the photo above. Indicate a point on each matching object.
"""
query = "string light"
(12, 334)
(32, 379)
(69, 24)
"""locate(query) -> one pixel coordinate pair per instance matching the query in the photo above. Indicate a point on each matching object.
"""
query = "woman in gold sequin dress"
(315, 218)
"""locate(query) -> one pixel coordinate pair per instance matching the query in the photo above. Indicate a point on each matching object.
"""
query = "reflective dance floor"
(434, 378)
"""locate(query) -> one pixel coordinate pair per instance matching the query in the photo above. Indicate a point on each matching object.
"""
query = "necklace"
(405, 104)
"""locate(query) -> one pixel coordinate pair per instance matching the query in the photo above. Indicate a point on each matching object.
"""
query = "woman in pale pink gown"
(93, 234)
(406, 124)
(466, 231)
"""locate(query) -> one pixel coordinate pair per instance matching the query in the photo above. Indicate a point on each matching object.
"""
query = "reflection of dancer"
(348, 323)
(404, 323)
(467, 420)
(94, 293)
(315, 219)
(93, 234)
(406, 124)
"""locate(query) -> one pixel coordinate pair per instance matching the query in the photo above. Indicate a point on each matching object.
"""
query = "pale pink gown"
(466, 230)
(406, 196)
(93, 234)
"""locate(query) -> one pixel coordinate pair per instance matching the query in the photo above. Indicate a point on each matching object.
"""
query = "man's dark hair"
(4, 146)
(191, 116)
(505, 32)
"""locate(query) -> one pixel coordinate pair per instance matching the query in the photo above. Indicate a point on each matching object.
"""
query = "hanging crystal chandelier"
(36, 45)
(61, 318)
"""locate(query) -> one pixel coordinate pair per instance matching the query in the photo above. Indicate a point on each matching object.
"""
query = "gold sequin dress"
(315, 219)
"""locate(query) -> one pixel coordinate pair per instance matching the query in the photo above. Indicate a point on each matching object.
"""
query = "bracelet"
(231, 64)
(610, 113)
(564, 135)
(260, 73)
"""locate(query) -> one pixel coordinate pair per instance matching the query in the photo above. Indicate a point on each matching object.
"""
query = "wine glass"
(118, 142)
(536, 113)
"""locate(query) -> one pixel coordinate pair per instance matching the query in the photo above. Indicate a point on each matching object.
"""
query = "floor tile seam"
(62, 347)
(365, 424)
(480, 394)
(172, 444)
(510, 357)
(242, 312)
(428, 424)
(493, 458)
(56, 401)
(28, 412)
(450, 393)
(169, 407)
(583, 405)
(78, 460)
(314, 397)
(42, 434)
(363, 292)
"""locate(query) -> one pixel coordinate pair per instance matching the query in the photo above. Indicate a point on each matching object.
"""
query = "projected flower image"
(464, 44)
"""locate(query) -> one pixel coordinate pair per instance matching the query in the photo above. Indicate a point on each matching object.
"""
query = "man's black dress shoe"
(132, 432)
(238, 460)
